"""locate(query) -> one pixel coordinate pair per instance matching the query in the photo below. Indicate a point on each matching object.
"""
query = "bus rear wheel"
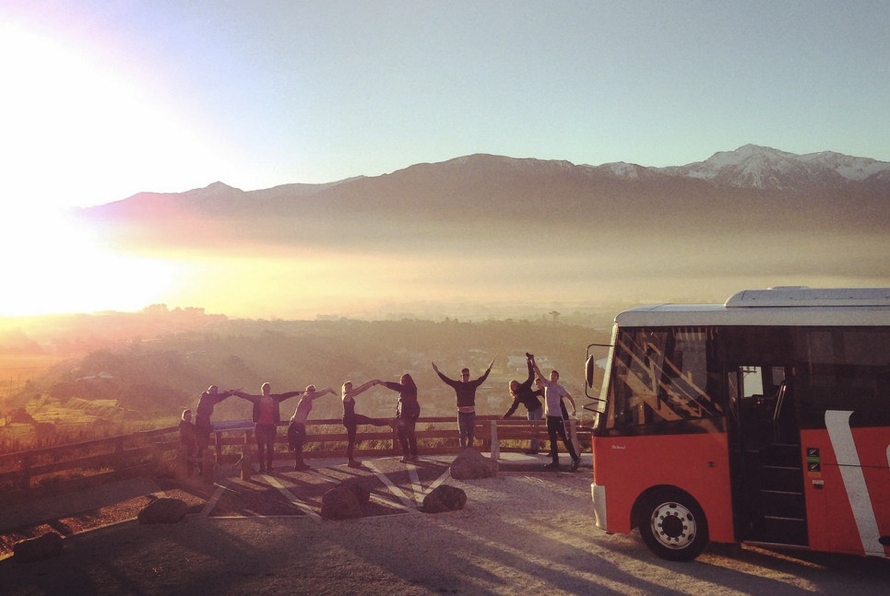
(673, 525)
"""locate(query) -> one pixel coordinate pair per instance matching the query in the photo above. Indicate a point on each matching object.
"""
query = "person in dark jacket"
(407, 413)
(203, 423)
(524, 394)
(188, 440)
(351, 420)
(465, 390)
(266, 415)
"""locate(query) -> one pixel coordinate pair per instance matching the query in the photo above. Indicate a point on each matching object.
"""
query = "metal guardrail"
(39, 472)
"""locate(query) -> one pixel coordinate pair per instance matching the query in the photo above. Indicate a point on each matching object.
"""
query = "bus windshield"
(661, 378)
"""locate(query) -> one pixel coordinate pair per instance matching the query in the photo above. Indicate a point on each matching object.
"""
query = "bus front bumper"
(598, 494)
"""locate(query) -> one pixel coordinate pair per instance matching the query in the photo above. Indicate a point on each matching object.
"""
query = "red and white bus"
(764, 420)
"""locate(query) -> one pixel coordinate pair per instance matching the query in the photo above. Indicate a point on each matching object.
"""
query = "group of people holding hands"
(195, 436)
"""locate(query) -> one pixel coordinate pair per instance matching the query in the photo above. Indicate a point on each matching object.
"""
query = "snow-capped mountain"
(830, 188)
(753, 166)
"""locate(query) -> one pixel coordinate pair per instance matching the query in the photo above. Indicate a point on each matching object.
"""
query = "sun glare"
(52, 266)
(76, 129)
(80, 130)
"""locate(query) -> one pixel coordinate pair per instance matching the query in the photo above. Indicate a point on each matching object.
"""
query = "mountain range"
(819, 189)
(749, 167)
(755, 215)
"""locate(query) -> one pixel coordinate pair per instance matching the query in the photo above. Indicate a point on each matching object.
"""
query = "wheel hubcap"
(673, 525)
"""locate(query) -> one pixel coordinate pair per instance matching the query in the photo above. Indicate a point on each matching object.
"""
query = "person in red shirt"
(266, 415)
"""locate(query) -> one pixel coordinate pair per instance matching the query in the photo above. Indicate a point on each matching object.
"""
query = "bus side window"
(752, 386)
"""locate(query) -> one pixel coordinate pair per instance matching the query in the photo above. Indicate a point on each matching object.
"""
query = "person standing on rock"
(266, 416)
(465, 390)
(524, 394)
(203, 424)
(296, 430)
(553, 394)
(407, 413)
(351, 420)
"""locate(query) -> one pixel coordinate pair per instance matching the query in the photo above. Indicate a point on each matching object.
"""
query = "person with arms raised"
(465, 390)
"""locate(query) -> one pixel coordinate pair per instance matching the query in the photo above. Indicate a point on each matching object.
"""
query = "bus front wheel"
(673, 525)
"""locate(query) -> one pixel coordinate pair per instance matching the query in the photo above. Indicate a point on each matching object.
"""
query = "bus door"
(768, 498)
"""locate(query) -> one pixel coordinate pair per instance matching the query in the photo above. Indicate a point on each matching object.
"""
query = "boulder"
(341, 502)
(42, 547)
(471, 464)
(361, 492)
(163, 511)
(444, 498)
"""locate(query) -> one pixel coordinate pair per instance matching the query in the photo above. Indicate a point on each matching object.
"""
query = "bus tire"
(673, 525)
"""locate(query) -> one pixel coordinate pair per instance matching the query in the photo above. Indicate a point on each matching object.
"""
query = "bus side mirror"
(589, 367)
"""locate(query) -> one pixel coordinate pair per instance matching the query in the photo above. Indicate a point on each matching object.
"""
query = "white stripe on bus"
(838, 424)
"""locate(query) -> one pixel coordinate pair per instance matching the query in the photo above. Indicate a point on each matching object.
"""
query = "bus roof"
(796, 306)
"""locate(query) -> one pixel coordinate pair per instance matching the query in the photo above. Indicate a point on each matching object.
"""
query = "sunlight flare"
(53, 266)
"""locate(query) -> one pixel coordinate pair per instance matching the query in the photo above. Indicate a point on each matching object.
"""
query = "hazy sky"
(102, 99)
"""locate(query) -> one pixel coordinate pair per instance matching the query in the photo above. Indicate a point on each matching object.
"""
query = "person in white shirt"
(553, 394)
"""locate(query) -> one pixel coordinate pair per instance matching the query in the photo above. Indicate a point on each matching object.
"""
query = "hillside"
(152, 378)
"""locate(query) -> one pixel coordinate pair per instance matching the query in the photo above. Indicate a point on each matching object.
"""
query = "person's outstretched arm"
(512, 408)
(441, 376)
(486, 373)
(572, 401)
(538, 372)
(362, 388)
(324, 392)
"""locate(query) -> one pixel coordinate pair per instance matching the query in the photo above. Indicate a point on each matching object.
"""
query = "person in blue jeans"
(465, 389)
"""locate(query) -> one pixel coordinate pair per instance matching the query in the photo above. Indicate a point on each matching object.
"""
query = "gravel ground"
(520, 533)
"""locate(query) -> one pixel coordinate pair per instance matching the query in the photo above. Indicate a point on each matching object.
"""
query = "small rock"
(362, 492)
(341, 502)
(444, 498)
(163, 511)
(472, 464)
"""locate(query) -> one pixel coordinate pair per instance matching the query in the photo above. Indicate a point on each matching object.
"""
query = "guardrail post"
(495, 443)
(207, 466)
(218, 447)
(246, 467)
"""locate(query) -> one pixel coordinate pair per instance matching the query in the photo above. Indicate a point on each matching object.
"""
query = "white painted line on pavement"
(407, 502)
(445, 476)
(211, 503)
(415, 485)
(291, 497)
